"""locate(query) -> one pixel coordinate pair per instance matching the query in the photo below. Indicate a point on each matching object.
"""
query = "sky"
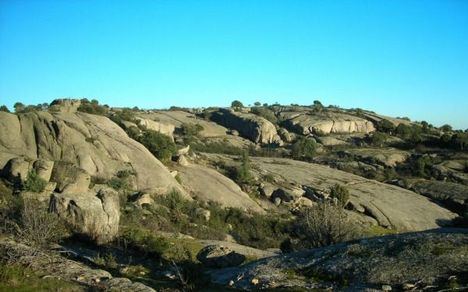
(399, 58)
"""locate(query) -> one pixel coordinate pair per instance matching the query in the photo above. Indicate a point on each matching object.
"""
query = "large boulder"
(209, 185)
(16, 169)
(65, 105)
(69, 178)
(163, 128)
(250, 126)
(90, 142)
(178, 118)
(96, 216)
(325, 123)
(218, 256)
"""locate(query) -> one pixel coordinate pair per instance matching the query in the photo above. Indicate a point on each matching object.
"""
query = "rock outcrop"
(306, 123)
(179, 118)
(163, 128)
(209, 185)
(55, 265)
(96, 216)
(250, 126)
(392, 206)
(452, 195)
(414, 261)
(90, 142)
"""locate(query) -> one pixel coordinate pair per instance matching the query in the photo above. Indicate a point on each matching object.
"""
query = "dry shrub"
(321, 225)
(37, 227)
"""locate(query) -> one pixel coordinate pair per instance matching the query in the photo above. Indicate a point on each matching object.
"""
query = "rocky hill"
(263, 197)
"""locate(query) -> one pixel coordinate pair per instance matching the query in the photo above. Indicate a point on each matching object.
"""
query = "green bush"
(265, 113)
(125, 114)
(34, 183)
(341, 193)
(378, 139)
(92, 107)
(304, 148)
(243, 174)
(191, 129)
(3, 108)
(385, 126)
(159, 144)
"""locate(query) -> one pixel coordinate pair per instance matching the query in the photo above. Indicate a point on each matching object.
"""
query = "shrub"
(34, 183)
(159, 144)
(92, 107)
(378, 139)
(125, 114)
(385, 126)
(145, 241)
(421, 165)
(265, 113)
(37, 227)
(191, 129)
(304, 148)
(321, 225)
(3, 108)
(341, 193)
(108, 261)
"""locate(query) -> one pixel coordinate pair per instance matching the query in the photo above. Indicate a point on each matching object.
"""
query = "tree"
(19, 107)
(257, 103)
(425, 126)
(304, 148)
(446, 128)
(236, 105)
(243, 175)
(318, 106)
(3, 108)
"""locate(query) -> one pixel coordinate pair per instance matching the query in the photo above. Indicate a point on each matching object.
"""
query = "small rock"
(218, 256)
(183, 161)
(386, 288)
(254, 281)
(277, 201)
(144, 199)
(233, 132)
(203, 213)
(183, 151)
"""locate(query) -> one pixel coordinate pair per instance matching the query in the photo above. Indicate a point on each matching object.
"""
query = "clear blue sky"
(401, 58)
